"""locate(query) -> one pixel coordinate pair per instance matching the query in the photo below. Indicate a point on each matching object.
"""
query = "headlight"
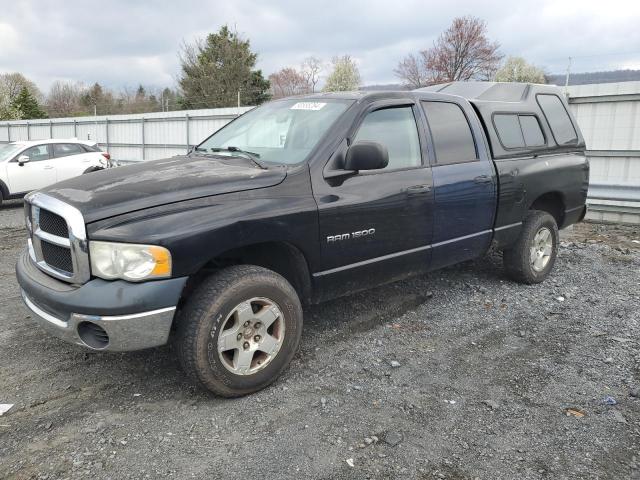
(128, 261)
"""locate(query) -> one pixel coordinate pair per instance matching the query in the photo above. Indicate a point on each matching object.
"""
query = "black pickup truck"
(298, 201)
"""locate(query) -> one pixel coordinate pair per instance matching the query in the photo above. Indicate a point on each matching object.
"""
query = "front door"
(38, 172)
(376, 225)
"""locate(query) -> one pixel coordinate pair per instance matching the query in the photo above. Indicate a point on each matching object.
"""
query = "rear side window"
(533, 136)
(518, 131)
(509, 131)
(558, 118)
(90, 148)
(396, 129)
(66, 149)
(452, 137)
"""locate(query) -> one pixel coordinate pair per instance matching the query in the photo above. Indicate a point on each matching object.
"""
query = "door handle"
(418, 189)
(48, 167)
(482, 179)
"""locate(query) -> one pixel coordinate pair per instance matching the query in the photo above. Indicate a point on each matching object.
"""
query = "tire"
(1, 198)
(220, 304)
(526, 265)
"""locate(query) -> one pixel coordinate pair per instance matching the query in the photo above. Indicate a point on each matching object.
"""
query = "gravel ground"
(457, 374)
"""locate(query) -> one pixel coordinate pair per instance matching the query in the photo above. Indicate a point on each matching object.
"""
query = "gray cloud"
(123, 43)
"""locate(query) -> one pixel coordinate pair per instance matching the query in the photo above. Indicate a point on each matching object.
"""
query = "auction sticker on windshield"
(308, 106)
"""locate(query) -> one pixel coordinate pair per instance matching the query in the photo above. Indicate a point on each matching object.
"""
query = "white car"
(30, 165)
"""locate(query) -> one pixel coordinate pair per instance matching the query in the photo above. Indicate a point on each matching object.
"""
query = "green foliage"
(9, 112)
(27, 104)
(344, 77)
(516, 69)
(95, 96)
(214, 70)
(11, 87)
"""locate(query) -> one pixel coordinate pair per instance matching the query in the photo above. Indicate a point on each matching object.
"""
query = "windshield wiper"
(254, 157)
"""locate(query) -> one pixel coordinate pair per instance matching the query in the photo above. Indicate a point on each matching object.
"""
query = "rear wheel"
(239, 330)
(531, 258)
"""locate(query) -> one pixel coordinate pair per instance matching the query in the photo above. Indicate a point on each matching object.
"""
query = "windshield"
(279, 132)
(8, 150)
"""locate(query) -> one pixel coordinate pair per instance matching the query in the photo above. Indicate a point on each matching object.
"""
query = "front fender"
(197, 231)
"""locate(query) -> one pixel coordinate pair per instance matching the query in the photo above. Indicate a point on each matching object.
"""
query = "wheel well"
(552, 203)
(4, 190)
(281, 257)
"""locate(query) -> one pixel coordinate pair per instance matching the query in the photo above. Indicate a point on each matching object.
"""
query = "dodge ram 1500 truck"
(298, 201)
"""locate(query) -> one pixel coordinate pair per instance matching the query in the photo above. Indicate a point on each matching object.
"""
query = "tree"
(11, 84)
(344, 77)
(141, 93)
(215, 69)
(27, 104)
(462, 52)
(311, 68)
(100, 101)
(516, 69)
(288, 82)
(9, 112)
(257, 91)
(170, 98)
(412, 72)
(64, 99)
(139, 102)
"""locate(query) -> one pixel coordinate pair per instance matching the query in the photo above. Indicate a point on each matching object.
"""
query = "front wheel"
(239, 330)
(531, 258)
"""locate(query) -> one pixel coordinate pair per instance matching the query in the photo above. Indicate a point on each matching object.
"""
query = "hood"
(153, 183)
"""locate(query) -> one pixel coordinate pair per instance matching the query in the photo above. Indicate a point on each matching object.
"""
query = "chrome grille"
(58, 242)
(53, 224)
(57, 256)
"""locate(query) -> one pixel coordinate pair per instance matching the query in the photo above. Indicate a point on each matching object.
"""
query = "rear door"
(38, 172)
(71, 160)
(464, 183)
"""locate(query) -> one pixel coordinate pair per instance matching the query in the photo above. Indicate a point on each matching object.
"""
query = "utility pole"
(238, 102)
(566, 80)
(95, 110)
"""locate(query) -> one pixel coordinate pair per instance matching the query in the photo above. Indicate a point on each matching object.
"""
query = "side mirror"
(364, 155)
(22, 159)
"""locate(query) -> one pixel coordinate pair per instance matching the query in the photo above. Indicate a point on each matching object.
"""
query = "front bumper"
(101, 315)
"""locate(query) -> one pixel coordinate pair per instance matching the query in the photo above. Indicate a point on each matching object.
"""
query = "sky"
(123, 43)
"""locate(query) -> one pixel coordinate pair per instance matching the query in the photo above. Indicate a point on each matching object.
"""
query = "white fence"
(129, 137)
(609, 117)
